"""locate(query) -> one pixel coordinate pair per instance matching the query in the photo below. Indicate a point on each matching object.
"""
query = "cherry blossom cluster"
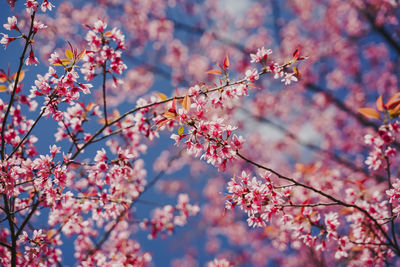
(382, 145)
(258, 199)
(101, 51)
(334, 210)
(165, 219)
(120, 250)
(262, 200)
(219, 263)
(208, 138)
(32, 6)
(41, 244)
(57, 89)
(270, 66)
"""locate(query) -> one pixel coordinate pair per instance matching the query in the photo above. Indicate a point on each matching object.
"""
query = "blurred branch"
(338, 103)
(317, 149)
(381, 30)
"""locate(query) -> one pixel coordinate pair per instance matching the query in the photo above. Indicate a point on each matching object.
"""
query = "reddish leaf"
(226, 63)
(173, 104)
(369, 113)
(393, 101)
(3, 88)
(161, 123)
(296, 53)
(81, 54)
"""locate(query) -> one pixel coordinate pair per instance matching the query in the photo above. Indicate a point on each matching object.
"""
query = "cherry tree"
(258, 132)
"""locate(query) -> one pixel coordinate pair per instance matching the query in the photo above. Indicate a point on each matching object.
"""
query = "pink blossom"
(31, 6)
(289, 77)
(5, 40)
(261, 55)
(46, 5)
(12, 23)
(31, 60)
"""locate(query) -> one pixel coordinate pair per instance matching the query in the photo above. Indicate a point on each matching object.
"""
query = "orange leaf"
(394, 104)
(63, 62)
(161, 123)
(253, 85)
(369, 113)
(226, 62)
(21, 76)
(173, 104)
(82, 54)
(379, 104)
(393, 99)
(3, 88)
(89, 106)
(186, 103)
(162, 96)
(169, 115)
(216, 72)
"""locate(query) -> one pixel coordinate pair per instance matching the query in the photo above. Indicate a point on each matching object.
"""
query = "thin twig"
(319, 192)
(10, 103)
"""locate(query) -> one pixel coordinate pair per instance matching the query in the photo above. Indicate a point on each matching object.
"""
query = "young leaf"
(69, 54)
(162, 96)
(81, 54)
(296, 53)
(180, 130)
(379, 104)
(161, 123)
(186, 103)
(297, 72)
(253, 85)
(169, 115)
(393, 101)
(216, 72)
(173, 104)
(226, 63)
(369, 113)
(21, 76)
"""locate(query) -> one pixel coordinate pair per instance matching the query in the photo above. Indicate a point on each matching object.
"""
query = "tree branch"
(320, 192)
